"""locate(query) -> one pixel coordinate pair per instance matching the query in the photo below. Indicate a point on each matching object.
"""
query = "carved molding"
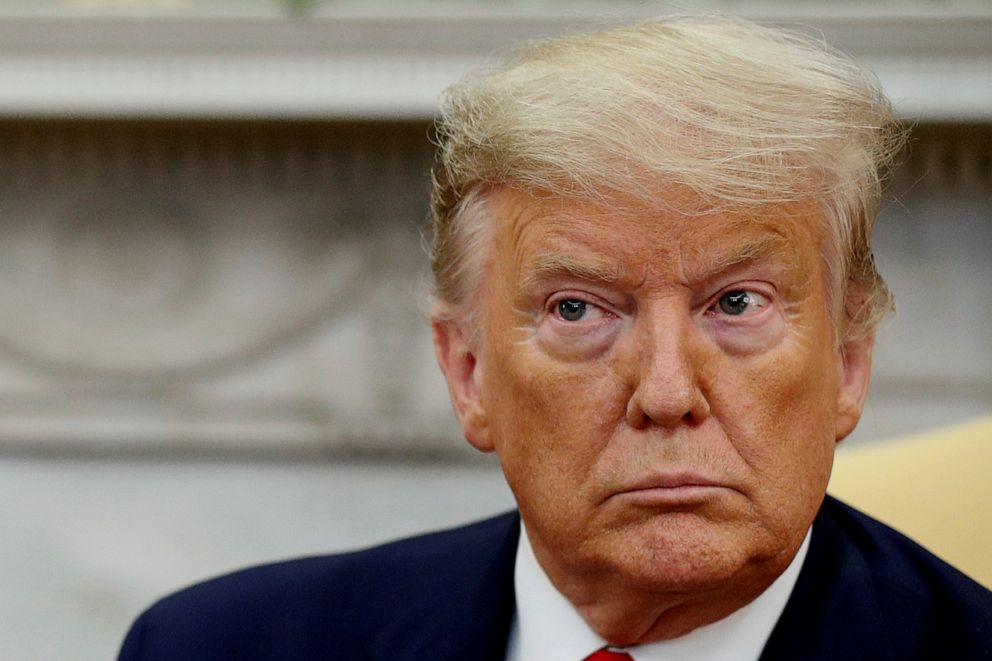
(947, 159)
(258, 287)
(237, 284)
(933, 61)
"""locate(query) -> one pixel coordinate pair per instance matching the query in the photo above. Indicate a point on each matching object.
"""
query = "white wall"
(87, 544)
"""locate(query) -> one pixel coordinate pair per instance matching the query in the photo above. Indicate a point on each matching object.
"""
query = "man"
(655, 301)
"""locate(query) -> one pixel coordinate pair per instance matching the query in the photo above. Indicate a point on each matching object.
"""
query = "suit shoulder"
(295, 600)
(868, 593)
(900, 562)
(906, 579)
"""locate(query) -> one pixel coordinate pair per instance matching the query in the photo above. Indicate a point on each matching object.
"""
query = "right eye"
(571, 309)
(577, 325)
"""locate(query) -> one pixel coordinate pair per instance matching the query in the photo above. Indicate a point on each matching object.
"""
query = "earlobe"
(463, 371)
(852, 388)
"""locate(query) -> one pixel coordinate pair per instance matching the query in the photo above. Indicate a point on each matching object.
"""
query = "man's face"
(664, 392)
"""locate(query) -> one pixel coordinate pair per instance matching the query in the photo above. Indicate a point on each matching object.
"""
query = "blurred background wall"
(212, 345)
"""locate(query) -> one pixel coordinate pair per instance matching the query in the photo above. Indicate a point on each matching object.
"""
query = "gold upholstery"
(935, 487)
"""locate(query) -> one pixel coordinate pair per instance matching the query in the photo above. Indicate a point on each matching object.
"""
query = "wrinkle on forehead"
(699, 244)
(754, 244)
(553, 240)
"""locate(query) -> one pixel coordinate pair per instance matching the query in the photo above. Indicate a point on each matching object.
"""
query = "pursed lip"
(673, 485)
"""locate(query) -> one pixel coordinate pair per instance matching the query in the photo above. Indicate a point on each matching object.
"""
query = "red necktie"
(606, 655)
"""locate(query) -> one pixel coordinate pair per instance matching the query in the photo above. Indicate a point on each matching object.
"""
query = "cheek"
(551, 419)
(795, 391)
(789, 439)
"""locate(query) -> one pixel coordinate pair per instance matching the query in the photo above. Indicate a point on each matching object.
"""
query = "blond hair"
(738, 114)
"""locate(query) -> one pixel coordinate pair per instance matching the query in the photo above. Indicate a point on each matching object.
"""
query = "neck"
(628, 612)
(630, 617)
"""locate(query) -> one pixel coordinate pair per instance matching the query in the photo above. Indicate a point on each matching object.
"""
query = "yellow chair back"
(935, 487)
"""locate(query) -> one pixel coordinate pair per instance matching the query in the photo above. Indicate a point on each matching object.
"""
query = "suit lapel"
(463, 603)
(833, 612)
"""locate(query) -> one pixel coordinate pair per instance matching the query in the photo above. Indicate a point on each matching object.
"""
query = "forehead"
(619, 241)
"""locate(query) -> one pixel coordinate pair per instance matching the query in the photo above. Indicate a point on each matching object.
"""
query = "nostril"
(635, 415)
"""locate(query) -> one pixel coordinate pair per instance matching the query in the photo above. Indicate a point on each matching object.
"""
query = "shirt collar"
(546, 626)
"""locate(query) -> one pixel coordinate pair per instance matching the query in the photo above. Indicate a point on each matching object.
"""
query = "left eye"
(739, 301)
(571, 309)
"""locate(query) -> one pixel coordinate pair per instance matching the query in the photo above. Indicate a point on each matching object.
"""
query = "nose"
(668, 372)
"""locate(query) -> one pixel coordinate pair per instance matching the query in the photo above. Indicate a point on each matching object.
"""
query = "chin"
(688, 554)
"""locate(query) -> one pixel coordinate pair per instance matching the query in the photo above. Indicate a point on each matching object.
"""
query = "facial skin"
(664, 394)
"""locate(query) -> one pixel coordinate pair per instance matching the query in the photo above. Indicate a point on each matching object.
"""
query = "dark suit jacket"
(864, 592)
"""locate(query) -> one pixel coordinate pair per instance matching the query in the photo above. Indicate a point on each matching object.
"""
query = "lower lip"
(672, 496)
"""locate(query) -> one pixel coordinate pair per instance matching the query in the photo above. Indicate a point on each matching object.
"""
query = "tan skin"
(664, 393)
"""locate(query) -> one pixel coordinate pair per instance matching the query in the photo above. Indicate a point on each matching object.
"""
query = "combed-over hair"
(738, 114)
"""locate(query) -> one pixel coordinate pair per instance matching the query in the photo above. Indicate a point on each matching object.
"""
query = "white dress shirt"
(546, 627)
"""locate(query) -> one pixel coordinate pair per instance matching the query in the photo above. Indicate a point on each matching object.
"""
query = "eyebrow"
(550, 266)
(747, 252)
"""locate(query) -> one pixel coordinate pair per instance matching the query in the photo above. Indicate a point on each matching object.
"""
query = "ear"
(852, 388)
(463, 372)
